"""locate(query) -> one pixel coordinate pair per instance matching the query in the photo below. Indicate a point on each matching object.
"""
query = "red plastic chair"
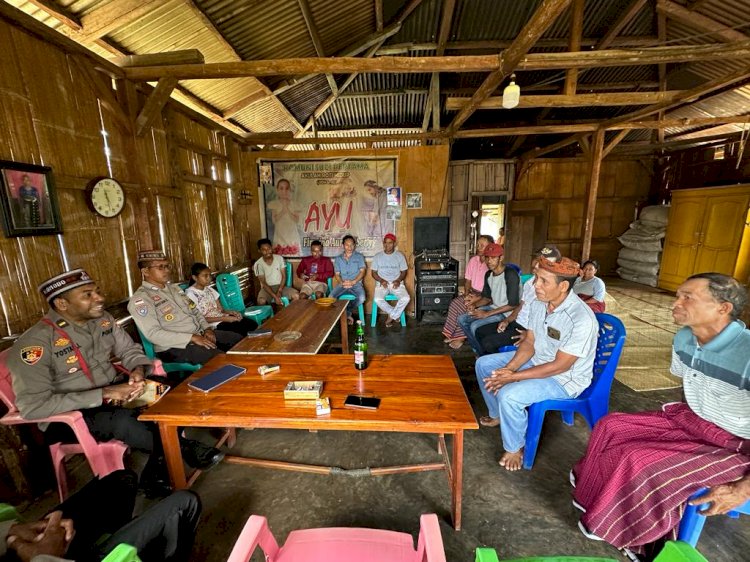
(103, 458)
(341, 544)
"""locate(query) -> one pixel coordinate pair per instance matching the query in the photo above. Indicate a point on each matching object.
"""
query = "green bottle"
(360, 348)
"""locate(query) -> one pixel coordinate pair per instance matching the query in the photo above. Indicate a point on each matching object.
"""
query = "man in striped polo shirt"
(640, 469)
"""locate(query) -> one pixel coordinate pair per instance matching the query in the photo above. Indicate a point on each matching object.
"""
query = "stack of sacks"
(640, 258)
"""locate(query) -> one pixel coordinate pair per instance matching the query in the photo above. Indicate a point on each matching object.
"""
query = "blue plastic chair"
(230, 296)
(514, 266)
(148, 349)
(592, 403)
(360, 310)
(374, 319)
(691, 524)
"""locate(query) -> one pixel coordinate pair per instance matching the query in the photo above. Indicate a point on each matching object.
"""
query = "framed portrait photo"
(413, 200)
(29, 201)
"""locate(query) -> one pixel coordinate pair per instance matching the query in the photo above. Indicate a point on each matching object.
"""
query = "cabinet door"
(721, 233)
(681, 242)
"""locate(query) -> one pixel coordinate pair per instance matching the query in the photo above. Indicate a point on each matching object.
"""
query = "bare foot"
(447, 340)
(456, 344)
(389, 322)
(487, 421)
(350, 320)
(512, 461)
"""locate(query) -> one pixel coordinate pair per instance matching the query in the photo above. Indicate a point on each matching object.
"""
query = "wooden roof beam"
(378, 15)
(187, 56)
(59, 12)
(154, 104)
(544, 16)
(113, 15)
(476, 63)
(432, 104)
(317, 42)
(625, 18)
(700, 22)
(279, 139)
(499, 45)
(576, 100)
(574, 44)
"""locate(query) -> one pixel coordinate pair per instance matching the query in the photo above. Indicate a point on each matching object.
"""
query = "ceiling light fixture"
(511, 93)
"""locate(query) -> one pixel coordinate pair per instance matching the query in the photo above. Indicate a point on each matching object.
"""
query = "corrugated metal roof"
(357, 145)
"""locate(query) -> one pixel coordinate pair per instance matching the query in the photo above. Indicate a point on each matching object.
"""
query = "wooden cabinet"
(709, 230)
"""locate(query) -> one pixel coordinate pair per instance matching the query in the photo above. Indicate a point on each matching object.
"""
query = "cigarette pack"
(322, 407)
(303, 390)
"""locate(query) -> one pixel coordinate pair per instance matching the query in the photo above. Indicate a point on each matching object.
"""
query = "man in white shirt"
(389, 270)
(271, 273)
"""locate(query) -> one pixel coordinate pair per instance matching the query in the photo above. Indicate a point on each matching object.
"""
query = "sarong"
(640, 469)
(451, 329)
(597, 306)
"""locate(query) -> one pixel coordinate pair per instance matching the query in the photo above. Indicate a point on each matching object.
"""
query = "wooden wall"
(419, 169)
(552, 195)
(55, 117)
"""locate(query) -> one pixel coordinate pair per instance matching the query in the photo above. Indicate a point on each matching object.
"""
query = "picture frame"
(413, 200)
(29, 200)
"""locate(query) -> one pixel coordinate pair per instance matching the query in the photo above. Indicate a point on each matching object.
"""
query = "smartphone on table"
(366, 402)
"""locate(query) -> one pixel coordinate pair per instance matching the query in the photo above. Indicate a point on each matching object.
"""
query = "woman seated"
(473, 284)
(589, 287)
(207, 300)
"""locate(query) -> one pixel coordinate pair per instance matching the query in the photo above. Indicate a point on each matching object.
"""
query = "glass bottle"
(360, 348)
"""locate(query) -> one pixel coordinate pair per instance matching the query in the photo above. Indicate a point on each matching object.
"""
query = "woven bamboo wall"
(561, 185)
(55, 118)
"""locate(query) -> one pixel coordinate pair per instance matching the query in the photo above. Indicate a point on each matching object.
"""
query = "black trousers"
(490, 340)
(242, 327)
(198, 354)
(105, 506)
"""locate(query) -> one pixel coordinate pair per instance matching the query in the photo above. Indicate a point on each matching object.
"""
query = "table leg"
(457, 483)
(172, 454)
(344, 334)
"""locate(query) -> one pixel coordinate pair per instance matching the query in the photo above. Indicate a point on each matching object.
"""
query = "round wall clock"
(106, 197)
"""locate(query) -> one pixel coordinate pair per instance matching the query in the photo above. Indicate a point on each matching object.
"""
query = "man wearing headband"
(554, 360)
(510, 330)
(170, 320)
(389, 270)
(62, 363)
(641, 468)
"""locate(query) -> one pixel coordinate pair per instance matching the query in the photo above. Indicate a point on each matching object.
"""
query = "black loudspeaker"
(431, 233)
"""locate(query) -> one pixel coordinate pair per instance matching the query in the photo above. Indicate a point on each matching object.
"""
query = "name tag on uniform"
(553, 333)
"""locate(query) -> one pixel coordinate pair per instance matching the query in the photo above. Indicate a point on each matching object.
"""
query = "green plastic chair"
(148, 349)
(230, 296)
(673, 551)
(525, 277)
(122, 553)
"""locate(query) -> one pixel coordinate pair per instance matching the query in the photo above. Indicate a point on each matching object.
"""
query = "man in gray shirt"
(554, 360)
(389, 270)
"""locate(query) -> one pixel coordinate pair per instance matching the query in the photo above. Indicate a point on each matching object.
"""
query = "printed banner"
(326, 200)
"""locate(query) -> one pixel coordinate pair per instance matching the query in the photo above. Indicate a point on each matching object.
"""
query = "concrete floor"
(526, 513)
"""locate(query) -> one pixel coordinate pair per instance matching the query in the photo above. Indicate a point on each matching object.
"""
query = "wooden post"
(597, 147)
(576, 32)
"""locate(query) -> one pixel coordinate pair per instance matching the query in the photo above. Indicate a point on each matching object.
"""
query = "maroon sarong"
(640, 469)
(596, 306)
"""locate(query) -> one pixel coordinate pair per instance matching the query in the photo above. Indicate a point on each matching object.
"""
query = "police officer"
(170, 320)
(63, 363)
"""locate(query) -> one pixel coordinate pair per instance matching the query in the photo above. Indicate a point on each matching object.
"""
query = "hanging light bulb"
(511, 93)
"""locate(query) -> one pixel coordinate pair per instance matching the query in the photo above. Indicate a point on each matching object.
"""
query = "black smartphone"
(367, 402)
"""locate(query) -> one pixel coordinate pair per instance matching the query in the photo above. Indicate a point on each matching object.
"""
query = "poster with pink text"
(325, 200)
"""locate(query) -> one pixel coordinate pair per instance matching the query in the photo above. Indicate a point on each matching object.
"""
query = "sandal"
(456, 344)
(487, 421)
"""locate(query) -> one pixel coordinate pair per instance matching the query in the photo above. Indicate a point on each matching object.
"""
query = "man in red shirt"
(315, 270)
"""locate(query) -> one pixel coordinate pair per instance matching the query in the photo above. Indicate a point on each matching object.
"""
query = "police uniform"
(57, 367)
(169, 319)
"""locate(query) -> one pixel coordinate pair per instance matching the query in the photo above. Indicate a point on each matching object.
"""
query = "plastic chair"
(374, 319)
(230, 296)
(691, 524)
(514, 266)
(489, 555)
(525, 277)
(148, 349)
(122, 553)
(360, 309)
(679, 551)
(340, 544)
(592, 403)
(103, 458)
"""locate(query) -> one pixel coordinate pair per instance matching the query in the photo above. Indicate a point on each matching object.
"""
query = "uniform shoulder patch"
(62, 323)
(32, 354)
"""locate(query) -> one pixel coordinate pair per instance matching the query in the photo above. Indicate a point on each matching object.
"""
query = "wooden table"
(419, 394)
(312, 321)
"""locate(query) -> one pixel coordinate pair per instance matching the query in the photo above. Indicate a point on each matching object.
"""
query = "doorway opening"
(489, 218)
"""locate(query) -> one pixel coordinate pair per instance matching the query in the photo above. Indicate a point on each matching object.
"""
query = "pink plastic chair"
(341, 544)
(103, 458)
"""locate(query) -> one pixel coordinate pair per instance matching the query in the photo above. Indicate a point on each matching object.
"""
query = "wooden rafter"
(700, 22)
(378, 15)
(544, 16)
(625, 18)
(154, 104)
(476, 63)
(59, 12)
(576, 100)
(187, 56)
(317, 42)
(112, 15)
(432, 104)
(614, 142)
(574, 44)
